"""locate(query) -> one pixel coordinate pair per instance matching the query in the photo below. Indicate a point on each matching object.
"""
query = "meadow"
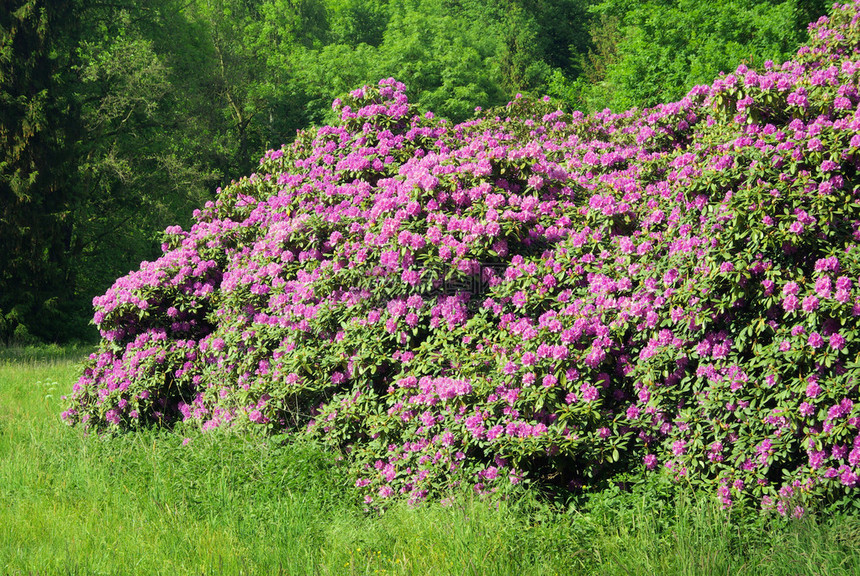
(183, 502)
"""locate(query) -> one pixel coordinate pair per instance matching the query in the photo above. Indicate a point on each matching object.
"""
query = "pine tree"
(37, 183)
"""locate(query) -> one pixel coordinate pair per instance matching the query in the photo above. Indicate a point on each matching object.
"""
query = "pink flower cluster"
(528, 294)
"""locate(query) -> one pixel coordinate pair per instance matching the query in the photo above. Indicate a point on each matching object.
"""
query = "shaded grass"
(144, 503)
(44, 353)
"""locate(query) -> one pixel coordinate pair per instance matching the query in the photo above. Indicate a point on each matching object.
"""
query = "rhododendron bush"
(528, 295)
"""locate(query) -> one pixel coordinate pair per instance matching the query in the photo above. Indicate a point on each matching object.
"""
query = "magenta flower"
(822, 287)
(854, 456)
(549, 381)
(589, 393)
(790, 288)
(816, 459)
(790, 303)
(112, 416)
(837, 341)
(810, 303)
(815, 340)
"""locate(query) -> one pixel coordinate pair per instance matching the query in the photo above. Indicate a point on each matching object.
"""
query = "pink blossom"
(837, 342)
(790, 303)
(822, 287)
(810, 303)
(650, 461)
(589, 393)
(815, 340)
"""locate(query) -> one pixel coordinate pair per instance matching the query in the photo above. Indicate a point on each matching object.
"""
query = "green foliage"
(445, 59)
(355, 22)
(136, 172)
(652, 52)
(452, 55)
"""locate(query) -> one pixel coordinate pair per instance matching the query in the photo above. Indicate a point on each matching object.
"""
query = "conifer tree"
(37, 122)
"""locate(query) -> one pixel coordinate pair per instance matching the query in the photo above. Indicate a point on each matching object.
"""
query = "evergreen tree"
(37, 178)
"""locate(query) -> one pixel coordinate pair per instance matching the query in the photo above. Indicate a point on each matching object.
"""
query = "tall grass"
(178, 502)
(44, 353)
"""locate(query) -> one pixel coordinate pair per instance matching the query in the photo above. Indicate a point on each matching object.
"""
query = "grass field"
(151, 503)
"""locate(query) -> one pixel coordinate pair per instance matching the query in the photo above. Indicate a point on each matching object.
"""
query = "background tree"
(655, 51)
(38, 124)
(147, 155)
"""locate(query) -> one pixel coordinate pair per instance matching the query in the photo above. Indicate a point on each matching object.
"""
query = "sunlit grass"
(144, 503)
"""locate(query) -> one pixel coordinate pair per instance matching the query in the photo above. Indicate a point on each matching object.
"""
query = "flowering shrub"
(529, 294)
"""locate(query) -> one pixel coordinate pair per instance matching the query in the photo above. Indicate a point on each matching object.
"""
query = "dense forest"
(118, 118)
